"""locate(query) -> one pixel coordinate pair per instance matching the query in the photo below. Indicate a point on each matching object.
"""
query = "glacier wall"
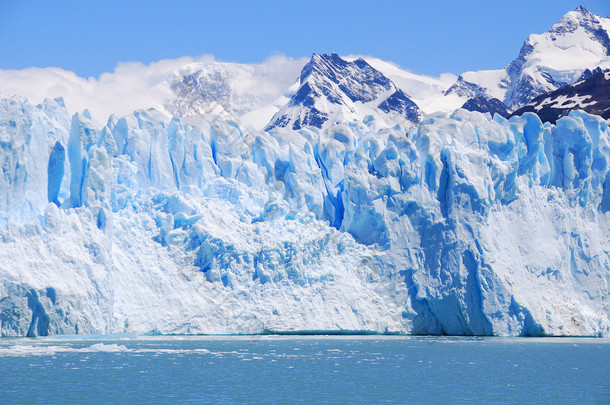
(464, 224)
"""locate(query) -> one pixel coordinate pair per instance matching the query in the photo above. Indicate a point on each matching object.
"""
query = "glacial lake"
(304, 369)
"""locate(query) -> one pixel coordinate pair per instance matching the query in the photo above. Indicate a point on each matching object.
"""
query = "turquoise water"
(269, 369)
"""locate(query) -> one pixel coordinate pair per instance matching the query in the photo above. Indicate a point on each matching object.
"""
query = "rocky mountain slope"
(591, 95)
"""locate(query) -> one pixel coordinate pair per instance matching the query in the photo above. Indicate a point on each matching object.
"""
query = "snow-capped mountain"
(423, 90)
(591, 95)
(482, 83)
(252, 93)
(333, 90)
(546, 62)
(559, 57)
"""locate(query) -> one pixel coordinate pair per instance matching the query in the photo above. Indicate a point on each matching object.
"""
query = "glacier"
(463, 224)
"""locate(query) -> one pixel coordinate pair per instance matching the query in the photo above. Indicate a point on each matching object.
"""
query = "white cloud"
(134, 85)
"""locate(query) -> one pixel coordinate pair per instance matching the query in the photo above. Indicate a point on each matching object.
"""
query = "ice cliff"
(462, 224)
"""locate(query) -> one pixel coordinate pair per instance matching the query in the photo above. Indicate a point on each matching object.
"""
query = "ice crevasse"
(464, 224)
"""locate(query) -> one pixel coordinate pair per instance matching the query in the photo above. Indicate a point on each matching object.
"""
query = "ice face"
(28, 135)
(464, 224)
(83, 136)
(55, 172)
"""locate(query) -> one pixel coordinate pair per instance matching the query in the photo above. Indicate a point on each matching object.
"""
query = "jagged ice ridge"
(463, 224)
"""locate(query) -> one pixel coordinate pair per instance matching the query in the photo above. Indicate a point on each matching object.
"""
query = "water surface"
(289, 369)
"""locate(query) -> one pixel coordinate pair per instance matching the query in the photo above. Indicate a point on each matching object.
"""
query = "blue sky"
(431, 37)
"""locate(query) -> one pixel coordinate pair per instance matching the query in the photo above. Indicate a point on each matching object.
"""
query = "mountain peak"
(323, 64)
(558, 57)
(332, 87)
(325, 56)
(572, 20)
